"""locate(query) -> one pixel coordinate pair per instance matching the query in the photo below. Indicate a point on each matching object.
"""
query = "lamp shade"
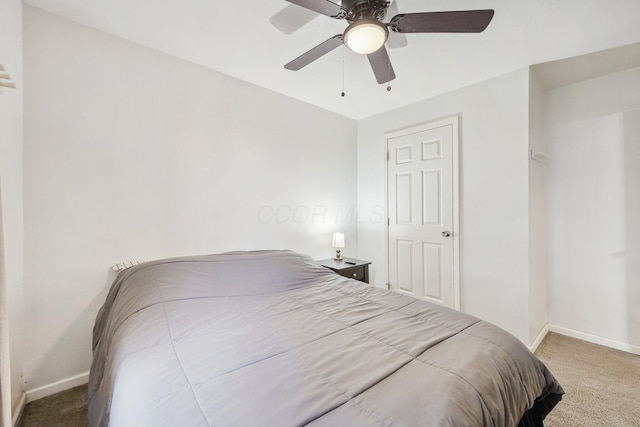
(338, 240)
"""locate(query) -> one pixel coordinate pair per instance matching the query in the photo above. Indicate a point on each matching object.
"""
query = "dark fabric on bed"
(535, 416)
(271, 338)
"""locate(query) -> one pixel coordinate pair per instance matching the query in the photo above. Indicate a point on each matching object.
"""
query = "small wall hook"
(5, 79)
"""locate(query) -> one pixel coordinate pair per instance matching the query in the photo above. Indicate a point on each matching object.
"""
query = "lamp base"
(338, 257)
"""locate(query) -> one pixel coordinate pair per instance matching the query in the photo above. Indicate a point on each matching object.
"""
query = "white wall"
(537, 209)
(11, 182)
(134, 154)
(494, 201)
(593, 185)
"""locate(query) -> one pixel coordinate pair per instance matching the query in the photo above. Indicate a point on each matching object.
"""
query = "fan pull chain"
(389, 49)
(342, 94)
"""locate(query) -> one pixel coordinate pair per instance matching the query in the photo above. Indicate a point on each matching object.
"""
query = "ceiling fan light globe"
(365, 37)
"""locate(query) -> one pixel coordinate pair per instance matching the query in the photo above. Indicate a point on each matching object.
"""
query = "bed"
(271, 338)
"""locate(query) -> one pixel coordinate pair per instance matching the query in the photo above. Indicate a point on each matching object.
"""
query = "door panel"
(422, 204)
(432, 267)
(431, 150)
(404, 154)
(404, 261)
(404, 196)
(431, 197)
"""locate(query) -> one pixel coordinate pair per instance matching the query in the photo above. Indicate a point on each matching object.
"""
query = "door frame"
(455, 232)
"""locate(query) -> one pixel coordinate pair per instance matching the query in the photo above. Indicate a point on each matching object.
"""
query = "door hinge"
(388, 222)
(388, 285)
(387, 156)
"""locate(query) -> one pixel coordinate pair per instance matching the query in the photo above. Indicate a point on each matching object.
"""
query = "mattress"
(271, 338)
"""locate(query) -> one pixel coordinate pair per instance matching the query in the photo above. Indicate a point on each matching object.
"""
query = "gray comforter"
(271, 338)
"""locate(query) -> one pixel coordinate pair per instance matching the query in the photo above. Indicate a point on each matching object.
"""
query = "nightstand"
(348, 267)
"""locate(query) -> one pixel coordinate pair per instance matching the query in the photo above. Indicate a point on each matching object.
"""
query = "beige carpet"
(602, 385)
(65, 409)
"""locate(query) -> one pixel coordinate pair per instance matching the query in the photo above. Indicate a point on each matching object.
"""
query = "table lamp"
(338, 243)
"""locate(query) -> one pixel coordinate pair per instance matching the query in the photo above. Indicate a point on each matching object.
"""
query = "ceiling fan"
(367, 34)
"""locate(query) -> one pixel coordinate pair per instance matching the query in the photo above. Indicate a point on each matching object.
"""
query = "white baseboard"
(17, 411)
(543, 333)
(618, 345)
(58, 386)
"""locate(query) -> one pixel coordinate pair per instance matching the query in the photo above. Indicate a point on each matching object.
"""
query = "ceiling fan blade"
(396, 40)
(463, 21)
(315, 53)
(381, 65)
(292, 18)
(324, 7)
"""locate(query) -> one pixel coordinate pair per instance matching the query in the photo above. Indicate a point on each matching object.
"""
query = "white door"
(422, 201)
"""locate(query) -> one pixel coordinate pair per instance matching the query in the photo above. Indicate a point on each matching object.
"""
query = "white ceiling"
(236, 38)
(563, 72)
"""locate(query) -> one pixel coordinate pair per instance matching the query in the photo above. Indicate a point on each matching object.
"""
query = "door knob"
(446, 234)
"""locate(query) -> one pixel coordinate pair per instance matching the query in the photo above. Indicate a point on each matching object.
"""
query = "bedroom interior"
(117, 145)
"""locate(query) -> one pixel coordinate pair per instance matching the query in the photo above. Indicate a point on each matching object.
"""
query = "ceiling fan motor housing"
(365, 9)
